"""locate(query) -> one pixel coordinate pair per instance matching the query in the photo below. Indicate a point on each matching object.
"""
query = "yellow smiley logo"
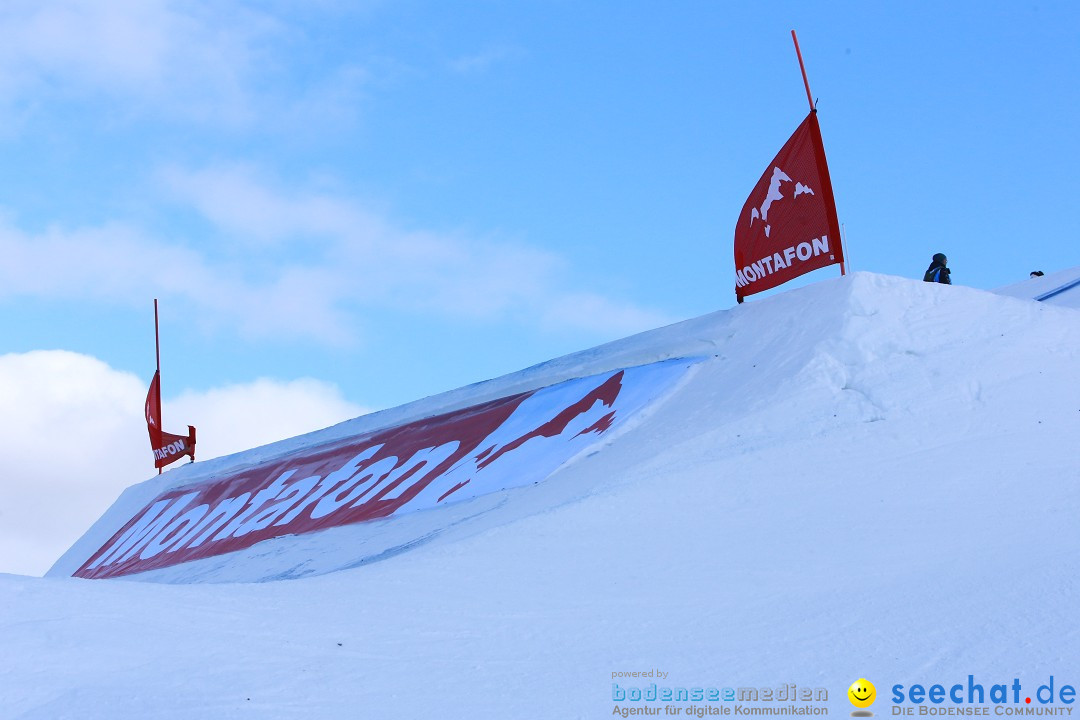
(862, 693)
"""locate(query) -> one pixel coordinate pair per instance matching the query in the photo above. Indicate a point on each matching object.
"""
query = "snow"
(869, 477)
(316, 489)
(1065, 282)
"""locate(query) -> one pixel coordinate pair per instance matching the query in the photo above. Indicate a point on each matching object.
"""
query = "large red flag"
(788, 225)
(168, 448)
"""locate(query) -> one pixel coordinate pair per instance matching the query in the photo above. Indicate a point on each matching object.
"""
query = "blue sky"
(398, 198)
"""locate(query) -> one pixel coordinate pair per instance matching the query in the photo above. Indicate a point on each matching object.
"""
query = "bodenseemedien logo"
(700, 700)
(862, 694)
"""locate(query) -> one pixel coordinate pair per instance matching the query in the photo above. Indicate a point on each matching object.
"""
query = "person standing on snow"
(937, 272)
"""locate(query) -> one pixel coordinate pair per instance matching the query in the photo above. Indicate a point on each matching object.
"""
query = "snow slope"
(277, 519)
(868, 477)
(1059, 288)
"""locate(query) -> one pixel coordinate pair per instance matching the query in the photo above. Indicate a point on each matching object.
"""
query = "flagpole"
(843, 242)
(810, 99)
(157, 356)
(798, 52)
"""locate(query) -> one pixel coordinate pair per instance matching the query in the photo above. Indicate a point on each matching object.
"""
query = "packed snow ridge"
(849, 349)
(868, 477)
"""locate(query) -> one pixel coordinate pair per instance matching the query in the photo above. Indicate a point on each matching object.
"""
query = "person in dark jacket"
(937, 272)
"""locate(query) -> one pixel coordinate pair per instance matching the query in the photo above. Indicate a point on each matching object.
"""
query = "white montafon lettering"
(225, 511)
(356, 486)
(288, 497)
(144, 530)
(405, 468)
(174, 530)
(330, 483)
(173, 448)
(160, 530)
(410, 470)
(777, 261)
(268, 493)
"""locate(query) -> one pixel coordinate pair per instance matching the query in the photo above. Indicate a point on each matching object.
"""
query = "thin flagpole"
(810, 99)
(157, 338)
(157, 355)
(798, 52)
(843, 240)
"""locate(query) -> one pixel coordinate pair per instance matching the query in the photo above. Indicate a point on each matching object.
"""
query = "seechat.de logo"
(862, 694)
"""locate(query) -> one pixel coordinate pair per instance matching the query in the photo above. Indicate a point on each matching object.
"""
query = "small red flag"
(167, 447)
(788, 225)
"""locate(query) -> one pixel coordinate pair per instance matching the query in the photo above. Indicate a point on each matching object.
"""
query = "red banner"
(167, 447)
(788, 225)
(512, 442)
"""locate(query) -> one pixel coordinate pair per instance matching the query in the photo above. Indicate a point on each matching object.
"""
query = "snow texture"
(1059, 288)
(870, 477)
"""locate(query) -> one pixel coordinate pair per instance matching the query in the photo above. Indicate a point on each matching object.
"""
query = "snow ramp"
(1058, 288)
(842, 353)
(250, 514)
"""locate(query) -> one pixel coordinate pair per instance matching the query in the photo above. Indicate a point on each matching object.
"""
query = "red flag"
(788, 225)
(167, 447)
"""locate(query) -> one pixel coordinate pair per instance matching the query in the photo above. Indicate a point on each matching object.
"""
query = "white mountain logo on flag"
(774, 194)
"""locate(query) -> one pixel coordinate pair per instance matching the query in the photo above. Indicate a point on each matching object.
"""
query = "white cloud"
(73, 436)
(191, 58)
(119, 264)
(590, 311)
(112, 262)
(283, 261)
(361, 258)
(238, 201)
(483, 61)
(303, 265)
(222, 65)
(239, 417)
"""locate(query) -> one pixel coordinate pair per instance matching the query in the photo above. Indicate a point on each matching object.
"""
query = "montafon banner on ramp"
(788, 225)
(510, 442)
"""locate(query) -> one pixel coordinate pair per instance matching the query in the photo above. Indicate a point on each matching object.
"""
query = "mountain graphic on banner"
(774, 194)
